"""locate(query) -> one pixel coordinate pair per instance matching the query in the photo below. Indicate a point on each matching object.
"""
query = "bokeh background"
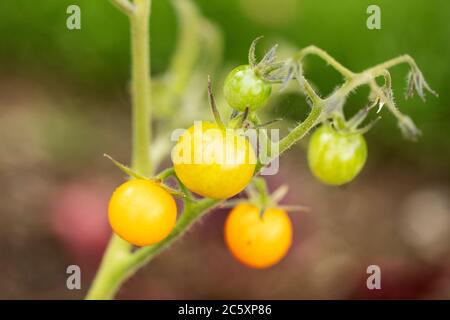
(64, 102)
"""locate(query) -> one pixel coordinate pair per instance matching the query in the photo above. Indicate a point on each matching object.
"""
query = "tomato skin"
(258, 242)
(142, 212)
(336, 158)
(204, 174)
(243, 88)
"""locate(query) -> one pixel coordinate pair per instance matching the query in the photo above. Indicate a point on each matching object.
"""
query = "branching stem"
(313, 50)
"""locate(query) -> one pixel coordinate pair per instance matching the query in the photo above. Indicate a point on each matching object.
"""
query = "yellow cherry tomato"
(258, 241)
(142, 212)
(213, 162)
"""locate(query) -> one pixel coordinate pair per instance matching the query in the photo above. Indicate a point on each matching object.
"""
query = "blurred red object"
(78, 218)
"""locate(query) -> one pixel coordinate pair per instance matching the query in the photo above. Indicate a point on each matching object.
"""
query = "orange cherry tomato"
(142, 212)
(258, 241)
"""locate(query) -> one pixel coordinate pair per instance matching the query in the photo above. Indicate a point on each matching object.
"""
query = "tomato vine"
(152, 98)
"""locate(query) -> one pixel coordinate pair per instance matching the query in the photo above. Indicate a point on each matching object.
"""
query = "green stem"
(263, 198)
(114, 268)
(191, 213)
(187, 48)
(297, 133)
(302, 129)
(140, 87)
(313, 50)
(111, 271)
(393, 62)
(118, 263)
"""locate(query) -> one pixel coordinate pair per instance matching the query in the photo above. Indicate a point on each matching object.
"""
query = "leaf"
(279, 193)
(408, 128)
(130, 172)
(367, 127)
(361, 115)
(416, 82)
(251, 52)
(269, 57)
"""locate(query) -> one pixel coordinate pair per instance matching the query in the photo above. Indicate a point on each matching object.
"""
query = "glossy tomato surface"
(335, 158)
(258, 241)
(244, 88)
(142, 212)
(213, 162)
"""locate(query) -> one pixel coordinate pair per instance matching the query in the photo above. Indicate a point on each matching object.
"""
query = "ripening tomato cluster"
(143, 212)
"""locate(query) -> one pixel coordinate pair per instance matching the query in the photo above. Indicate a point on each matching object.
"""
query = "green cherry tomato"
(335, 157)
(244, 88)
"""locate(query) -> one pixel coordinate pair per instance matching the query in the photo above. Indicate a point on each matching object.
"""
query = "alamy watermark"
(73, 21)
(73, 281)
(374, 280)
(374, 19)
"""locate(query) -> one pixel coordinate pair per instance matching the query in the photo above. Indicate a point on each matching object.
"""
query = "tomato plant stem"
(302, 129)
(114, 268)
(325, 56)
(111, 272)
(140, 88)
(297, 133)
(191, 213)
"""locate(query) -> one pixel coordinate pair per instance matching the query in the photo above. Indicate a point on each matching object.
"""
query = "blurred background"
(64, 102)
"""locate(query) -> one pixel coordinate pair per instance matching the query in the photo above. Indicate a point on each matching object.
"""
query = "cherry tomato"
(258, 241)
(142, 212)
(336, 157)
(244, 88)
(213, 162)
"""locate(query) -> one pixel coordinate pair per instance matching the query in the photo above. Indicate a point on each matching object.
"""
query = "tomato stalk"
(141, 90)
(114, 268)
(354, 80)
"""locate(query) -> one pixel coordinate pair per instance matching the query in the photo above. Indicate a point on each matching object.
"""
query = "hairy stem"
(191, 213)
(118, 263)
(393, 62)
(114, 268)
(297, 133)
(140, 88)
(313, 50)
(302, 129)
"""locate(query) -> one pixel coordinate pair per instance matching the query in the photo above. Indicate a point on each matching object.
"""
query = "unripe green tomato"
(335, 157)
(244, 88)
